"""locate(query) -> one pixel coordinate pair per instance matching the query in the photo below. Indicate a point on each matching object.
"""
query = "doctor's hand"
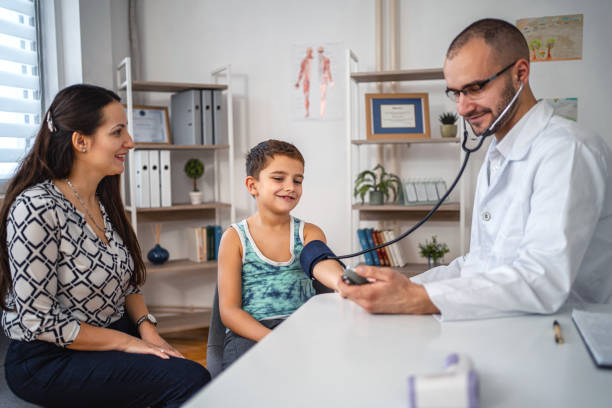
(388, 292)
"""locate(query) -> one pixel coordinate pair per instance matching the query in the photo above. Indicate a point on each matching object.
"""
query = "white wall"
(185, 40)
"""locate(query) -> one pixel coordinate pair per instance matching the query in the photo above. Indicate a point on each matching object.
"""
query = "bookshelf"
(178, 317)
(357, 142)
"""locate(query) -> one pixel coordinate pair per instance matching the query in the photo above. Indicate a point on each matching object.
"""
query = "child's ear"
(251, 185)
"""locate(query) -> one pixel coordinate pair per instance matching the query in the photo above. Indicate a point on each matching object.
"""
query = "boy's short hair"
(258, 156)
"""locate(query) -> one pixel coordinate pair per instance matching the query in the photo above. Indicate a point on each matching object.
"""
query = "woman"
(71, 267)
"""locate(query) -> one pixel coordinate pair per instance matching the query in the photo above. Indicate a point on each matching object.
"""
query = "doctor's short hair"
(504, 38)
(257, 158)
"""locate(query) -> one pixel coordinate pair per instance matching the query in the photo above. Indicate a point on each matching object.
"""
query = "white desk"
(331, 353)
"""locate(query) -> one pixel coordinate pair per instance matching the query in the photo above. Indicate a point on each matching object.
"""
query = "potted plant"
(378, 185)
(448, 127)
(194, 169)
(434, 251)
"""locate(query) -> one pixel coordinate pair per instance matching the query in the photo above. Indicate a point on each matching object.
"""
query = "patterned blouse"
(63, 273)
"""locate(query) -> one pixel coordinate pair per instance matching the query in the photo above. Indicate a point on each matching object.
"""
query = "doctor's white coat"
(541, 229)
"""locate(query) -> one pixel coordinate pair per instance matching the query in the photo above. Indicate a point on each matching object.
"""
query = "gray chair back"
(216, 332)
(216, 339)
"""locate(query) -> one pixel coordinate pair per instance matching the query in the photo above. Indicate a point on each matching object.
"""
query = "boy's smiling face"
(279, 186)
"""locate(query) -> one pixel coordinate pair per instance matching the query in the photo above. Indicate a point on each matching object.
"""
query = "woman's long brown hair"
(76, 108)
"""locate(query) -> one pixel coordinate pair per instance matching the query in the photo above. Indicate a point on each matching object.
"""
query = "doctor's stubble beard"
(507, 95)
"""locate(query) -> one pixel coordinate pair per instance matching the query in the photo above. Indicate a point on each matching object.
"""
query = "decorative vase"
(158, 255)
(448, 130)
(196, 197)
(432, 261)
(376, 198)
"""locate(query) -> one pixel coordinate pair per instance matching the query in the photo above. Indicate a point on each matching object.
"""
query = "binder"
(421, 191)
(368, 235)
(219, 118)
(186, 118)
(210, 243)
(207, 117)
(218, 233)
(141, 166)
(204, 244)
(381, 251)
(164, 178)
(363, 241)
(154, 178)
(194, 244)
(431, 191)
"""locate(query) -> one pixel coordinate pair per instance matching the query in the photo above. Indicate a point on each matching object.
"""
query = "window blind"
(20, 82)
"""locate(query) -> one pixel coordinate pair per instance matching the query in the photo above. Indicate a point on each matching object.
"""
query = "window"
(20, 82)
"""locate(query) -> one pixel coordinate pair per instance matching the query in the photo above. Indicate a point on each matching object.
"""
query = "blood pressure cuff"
(313, 253)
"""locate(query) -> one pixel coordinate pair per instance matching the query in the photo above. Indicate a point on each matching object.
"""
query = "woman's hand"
(154, 339)
(138, 346)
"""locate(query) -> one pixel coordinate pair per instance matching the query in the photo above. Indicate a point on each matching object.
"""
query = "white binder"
(219, 118)
(141, 165)
(165, 172)
(207, 117)
(154, 178)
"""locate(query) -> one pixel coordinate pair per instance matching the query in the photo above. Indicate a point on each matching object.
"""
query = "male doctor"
(542, 220)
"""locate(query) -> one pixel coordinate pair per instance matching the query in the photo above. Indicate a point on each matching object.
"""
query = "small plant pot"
(376, 198)
(196, 197)
(448, 130)
(433, 261)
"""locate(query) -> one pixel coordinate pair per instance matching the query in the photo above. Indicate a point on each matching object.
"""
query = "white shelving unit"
(454, 212)
(182, 318)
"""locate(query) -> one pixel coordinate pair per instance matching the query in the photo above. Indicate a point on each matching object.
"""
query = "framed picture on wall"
(151, 124)
(397, 116)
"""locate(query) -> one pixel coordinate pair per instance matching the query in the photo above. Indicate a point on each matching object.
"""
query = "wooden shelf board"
(154, 86)
(388, 212)
(183, 321)
(406, 208)
(180, 207)
(412, 269)
(178, 212)
(180, 265)
(406, 141)
(163, 146)
(398, 75)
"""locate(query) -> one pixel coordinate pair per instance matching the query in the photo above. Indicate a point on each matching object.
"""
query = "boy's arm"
(230, 290)
(328, 272)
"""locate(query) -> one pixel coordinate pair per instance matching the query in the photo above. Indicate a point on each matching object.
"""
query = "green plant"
(448, 118)
(194, 169)
(433, 249)
(368, 180)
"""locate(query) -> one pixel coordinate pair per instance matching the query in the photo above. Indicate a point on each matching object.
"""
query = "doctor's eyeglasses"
(474, 90)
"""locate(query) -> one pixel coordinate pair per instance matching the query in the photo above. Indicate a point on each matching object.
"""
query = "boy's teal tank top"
(273, 289)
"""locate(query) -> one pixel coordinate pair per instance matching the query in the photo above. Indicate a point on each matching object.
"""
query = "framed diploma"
(397, 116)
(151, 124)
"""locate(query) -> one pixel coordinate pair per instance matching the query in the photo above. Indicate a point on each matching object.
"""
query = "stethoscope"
(490, 130)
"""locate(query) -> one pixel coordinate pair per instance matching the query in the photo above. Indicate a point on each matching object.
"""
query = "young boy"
(260, 278)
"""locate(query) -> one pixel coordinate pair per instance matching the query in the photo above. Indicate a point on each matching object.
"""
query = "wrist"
(147, 328)
(424, 305)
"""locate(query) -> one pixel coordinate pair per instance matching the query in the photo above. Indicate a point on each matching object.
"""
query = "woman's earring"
(84, 150)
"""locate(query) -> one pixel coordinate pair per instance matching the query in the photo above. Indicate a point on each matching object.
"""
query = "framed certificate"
(151, 124)
(397, 116)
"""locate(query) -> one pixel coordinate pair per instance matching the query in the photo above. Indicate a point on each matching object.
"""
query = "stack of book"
(203, 243)
(392, 255)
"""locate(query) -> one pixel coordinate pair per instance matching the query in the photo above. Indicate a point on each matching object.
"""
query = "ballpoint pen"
(558, 335)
